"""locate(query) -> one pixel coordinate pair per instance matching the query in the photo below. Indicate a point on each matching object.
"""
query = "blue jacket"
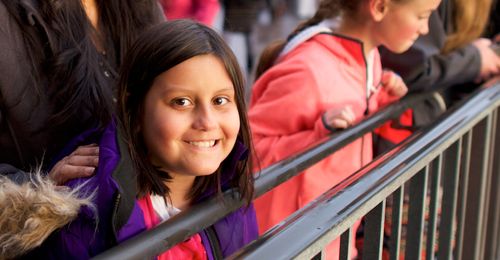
(117, 215)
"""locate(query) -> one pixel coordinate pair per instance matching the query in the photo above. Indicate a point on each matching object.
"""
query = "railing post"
(397, 215)
(435, 176)
(462, 193)
(345, 244)
(473, 243)
(493, 223)
(415, 229)
(374, 232)
(449, 204)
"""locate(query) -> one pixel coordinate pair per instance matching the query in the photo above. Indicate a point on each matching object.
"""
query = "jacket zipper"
(214, 242)
(115, 212)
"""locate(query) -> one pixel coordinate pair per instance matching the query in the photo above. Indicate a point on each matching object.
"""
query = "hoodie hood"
(32, 211)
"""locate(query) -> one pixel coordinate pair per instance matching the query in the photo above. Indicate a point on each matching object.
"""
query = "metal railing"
(458, 156)
(365, 193)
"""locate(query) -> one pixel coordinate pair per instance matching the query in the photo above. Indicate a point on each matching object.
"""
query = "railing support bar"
(397, 215)
(493, 223)
(462, 193)
(476, 195)
(450, 194)
(374, 232)
(415, 229)
(345, 245)
(435, 173)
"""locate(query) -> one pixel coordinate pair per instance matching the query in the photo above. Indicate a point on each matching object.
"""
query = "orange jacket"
(287, 103)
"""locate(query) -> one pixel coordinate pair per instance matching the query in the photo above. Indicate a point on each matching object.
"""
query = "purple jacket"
(119, 217)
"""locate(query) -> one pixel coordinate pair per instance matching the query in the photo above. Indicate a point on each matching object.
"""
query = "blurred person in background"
(326, 77)
(204, 11)
(58, 68)
(453, 59)
(240, 18)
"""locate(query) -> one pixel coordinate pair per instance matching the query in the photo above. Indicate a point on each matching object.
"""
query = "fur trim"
(33, 210)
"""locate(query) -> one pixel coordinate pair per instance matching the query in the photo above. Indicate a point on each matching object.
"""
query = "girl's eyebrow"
(179, 88)
(230, 89)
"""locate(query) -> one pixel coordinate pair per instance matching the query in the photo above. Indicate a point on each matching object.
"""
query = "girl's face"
(404, 22)
(190, 121)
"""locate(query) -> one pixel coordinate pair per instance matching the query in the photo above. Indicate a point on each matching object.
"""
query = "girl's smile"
(203, 144)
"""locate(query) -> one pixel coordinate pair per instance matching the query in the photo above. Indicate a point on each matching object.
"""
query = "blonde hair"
(469, 22)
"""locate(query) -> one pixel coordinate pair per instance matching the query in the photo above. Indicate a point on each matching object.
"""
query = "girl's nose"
(425, 28)
(205, 118)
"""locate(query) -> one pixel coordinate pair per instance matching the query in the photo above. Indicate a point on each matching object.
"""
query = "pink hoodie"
(288, 100)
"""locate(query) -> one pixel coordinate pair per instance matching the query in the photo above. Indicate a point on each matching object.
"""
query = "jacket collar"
(346, 48)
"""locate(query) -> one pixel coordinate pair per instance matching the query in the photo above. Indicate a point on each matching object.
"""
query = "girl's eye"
(221, 101)
(181, 102)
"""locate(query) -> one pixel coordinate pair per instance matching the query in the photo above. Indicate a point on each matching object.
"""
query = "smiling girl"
(182, 136)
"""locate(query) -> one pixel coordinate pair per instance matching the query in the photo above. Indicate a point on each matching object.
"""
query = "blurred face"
(404, 22)
(191, 120)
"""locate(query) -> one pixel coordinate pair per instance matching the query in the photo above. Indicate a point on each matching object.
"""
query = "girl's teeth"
(204, 144)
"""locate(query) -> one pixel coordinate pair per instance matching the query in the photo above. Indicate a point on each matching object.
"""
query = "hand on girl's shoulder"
(80, 163)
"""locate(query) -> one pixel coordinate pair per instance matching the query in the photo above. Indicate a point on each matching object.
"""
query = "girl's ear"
(378, 9)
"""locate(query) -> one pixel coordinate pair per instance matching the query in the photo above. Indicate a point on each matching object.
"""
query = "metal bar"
(487, 188)
(397, 213)
(345, 245)
(415, 228)
(462, 193)
(493, 223)
(374, 232)
(435, 173)
(474, 216)
(449, 202)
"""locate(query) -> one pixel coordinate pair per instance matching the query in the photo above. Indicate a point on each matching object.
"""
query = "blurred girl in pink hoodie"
(326, 77)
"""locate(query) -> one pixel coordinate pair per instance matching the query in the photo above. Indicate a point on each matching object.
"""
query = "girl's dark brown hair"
(156, 51)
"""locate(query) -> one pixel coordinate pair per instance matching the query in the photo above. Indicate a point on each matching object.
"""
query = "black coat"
(27, 137)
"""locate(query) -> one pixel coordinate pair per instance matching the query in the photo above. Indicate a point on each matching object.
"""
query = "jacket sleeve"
(423, 67)
(285, 115)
